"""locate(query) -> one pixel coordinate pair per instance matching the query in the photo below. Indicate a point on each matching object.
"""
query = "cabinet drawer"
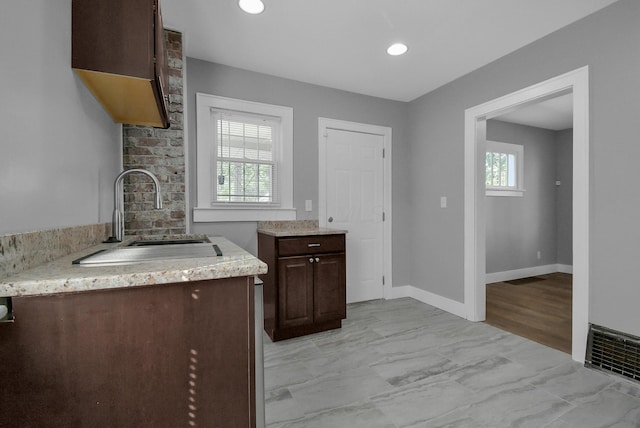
(311, 245)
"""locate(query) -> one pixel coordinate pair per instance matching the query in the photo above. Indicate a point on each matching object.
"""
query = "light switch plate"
(443, 202)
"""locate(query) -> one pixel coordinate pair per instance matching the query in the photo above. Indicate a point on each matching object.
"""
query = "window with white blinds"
(244, 160)
(245, 164)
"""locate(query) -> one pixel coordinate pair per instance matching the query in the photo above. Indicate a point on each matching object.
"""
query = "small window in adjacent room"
(244, 160)
(504, 169)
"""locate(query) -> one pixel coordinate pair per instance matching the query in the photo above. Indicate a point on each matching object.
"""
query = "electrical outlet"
(308, 205)
(443, 202)
(539, 255)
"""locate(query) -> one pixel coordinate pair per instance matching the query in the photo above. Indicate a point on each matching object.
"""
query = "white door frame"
(385, 132)
(576, 81)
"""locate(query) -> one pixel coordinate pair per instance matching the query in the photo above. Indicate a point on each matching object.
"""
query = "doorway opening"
(476, 118)
(528, 231)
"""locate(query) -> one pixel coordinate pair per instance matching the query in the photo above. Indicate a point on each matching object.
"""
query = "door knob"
(330, 219)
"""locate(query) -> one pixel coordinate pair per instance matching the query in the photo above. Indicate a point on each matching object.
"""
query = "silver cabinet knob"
(310, 259)
(330, 219)
(317, 259)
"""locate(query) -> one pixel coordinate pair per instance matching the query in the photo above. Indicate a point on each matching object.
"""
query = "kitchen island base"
(154, 356)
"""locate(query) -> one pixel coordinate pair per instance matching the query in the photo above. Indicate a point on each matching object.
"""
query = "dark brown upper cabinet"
(118, 49)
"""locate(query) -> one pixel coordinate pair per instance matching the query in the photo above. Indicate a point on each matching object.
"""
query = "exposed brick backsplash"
(160, 151)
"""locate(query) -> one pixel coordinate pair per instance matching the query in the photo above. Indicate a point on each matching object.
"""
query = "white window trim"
(517, 193)
(518, 150)
(205, 211)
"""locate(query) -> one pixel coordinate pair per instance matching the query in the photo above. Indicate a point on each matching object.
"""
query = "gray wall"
(564, 196)
(309, 102)
(608, 42)
(518, 227)
(59, 150)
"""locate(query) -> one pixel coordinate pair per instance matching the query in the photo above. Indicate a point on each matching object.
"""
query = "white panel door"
(355, 201)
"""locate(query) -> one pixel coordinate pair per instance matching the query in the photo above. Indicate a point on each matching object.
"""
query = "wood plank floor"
(539, 310)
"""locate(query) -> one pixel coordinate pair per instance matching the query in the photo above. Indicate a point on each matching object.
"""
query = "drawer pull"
(313, 245)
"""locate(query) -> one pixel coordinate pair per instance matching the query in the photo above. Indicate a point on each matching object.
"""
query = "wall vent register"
(613, 351)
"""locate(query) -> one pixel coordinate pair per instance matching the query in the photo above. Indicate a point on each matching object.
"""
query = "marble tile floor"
(401, 363)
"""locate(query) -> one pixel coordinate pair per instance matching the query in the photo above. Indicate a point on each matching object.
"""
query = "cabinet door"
(113, 36)
(295, 291)
(109, 358)
(329, 287)
(161, 66)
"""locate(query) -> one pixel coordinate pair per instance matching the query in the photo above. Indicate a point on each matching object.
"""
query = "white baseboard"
(446, 304)
(526, 272)
(565, 269)
(458, 308)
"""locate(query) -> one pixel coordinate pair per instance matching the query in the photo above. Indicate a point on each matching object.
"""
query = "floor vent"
(613, 351)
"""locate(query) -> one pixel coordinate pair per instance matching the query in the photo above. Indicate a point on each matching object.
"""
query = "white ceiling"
(342, 43)
(555, 114)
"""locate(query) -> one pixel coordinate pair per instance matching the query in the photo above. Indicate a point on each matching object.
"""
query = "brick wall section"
(160, 151)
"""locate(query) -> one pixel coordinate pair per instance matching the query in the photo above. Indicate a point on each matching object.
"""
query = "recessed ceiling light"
(253, 7)
(397, 49)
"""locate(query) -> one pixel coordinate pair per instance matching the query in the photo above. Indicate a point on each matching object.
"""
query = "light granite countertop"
(296, 228)
(61, 276)
(302, 232)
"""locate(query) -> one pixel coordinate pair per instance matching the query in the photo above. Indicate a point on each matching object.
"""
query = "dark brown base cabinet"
(174, 355)
(305, 287)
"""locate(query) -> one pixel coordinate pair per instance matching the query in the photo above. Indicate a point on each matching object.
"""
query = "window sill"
(516, 193)
(210, 215)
